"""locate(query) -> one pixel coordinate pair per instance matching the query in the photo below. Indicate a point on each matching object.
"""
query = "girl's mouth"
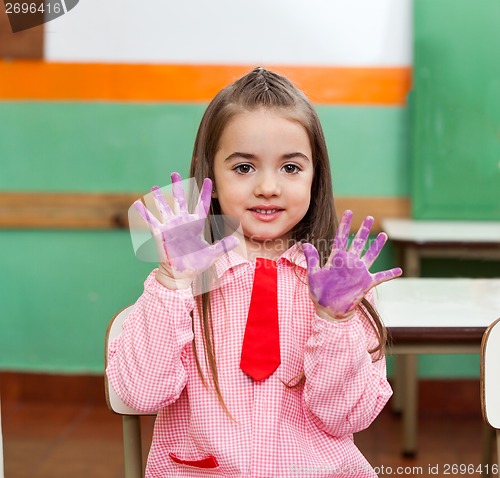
(266, 214)
(266, 211)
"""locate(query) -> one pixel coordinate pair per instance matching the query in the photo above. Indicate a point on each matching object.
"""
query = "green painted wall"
(369, 150)
(94, 147)
(456, 110)
(130, 147)
(59, 290)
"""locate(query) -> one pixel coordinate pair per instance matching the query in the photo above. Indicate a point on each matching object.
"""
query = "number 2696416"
(24, 7)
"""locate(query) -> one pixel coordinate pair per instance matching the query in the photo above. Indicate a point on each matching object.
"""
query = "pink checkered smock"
(273, 431)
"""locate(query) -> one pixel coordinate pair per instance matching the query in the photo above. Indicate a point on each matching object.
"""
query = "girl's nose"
(268, 186)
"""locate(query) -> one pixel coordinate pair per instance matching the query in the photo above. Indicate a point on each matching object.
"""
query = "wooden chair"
(490, 386)
(131, 419)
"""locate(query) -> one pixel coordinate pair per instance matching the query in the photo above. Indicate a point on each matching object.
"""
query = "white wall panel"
(310, 32)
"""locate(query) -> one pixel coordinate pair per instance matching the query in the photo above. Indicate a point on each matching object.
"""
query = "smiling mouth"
(266, 211)
(266, 214)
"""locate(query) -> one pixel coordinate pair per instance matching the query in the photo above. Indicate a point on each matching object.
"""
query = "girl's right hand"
(182, 249)
(337, 288)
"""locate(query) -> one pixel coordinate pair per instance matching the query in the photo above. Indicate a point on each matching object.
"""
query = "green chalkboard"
(455, 110)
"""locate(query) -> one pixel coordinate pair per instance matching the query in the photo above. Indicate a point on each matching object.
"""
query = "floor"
(68, 440)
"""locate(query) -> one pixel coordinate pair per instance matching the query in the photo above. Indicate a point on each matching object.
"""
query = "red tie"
(260, 354)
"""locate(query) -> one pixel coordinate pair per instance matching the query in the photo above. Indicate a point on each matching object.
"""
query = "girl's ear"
(214, 193)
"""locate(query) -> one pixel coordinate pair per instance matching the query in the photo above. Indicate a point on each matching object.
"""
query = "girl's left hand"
(338, 287)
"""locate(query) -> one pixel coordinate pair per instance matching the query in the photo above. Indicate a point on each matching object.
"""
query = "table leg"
(406, 381)
(498, 449)
(398, 391)
(408, 374)
(487, 458)
(411, 263)
(410, 404)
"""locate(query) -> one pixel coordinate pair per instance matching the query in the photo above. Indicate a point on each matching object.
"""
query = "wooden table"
(415, 239)
(432, 316)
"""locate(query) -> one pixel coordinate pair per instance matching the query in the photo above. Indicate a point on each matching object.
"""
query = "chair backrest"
(490, 375)
(114, 330)
(132, 439)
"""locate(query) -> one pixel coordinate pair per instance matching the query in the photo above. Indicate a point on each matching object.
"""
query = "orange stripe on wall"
(38, 80)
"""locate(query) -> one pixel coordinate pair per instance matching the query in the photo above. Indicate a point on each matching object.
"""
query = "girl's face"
(263, 175)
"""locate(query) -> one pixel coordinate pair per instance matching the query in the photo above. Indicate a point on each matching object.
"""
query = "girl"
(259, 156)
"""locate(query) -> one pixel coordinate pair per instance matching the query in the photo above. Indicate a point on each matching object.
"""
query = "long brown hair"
(262, 88)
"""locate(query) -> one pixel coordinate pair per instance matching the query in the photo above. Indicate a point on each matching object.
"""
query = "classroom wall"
(455, 110)
(112, 105)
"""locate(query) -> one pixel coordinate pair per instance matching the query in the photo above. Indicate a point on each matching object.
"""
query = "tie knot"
(266, 275)
(265, 264)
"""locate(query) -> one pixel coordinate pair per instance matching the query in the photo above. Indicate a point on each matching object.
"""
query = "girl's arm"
(147, 363)
(345, 389)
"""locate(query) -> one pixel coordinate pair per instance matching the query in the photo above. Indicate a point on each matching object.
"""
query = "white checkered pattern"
(274, 432)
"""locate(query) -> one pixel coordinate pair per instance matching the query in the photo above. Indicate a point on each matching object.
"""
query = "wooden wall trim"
(51, 210)
(44, 210)
(378, 207)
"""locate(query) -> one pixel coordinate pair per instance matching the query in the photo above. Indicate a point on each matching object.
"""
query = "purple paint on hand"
(180, 235)
(342, 283)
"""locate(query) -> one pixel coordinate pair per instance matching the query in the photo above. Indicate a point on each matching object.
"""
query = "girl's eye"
(243, 168)
(291, 168)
